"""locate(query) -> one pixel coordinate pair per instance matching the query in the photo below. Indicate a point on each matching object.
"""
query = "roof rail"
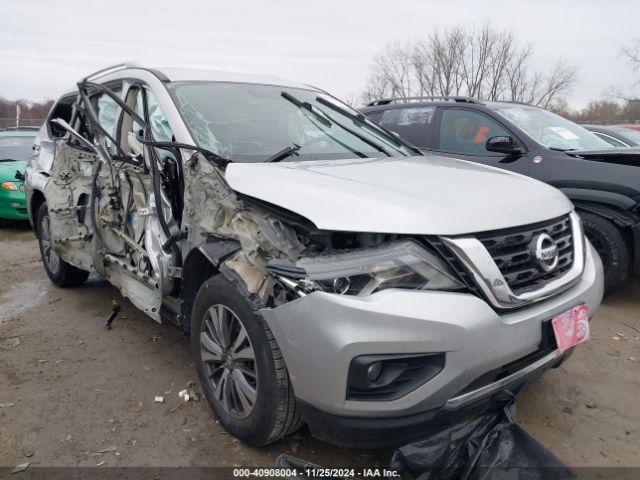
(112, 68)
(514, 102)
(387, 101)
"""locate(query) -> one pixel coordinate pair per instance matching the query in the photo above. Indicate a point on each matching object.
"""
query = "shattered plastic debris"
(6, 405)
(112, 448)
(159, 399)
(188, 395)
(20, 468)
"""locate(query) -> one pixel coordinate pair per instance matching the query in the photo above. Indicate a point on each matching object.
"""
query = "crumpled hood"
(412, 195)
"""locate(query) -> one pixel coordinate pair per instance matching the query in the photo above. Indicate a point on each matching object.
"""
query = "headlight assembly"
(403, 264)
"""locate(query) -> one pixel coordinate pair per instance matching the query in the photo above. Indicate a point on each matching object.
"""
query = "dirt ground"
(69, 388)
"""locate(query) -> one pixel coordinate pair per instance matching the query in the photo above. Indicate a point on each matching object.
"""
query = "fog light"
(390, 376)
(15, 204)
(374, 371)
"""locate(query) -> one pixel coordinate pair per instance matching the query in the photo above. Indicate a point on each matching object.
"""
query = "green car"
(15, 149)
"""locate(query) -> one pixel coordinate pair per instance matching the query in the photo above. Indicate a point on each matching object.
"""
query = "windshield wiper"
(8, 160)
(359, 117)
(558, 149)
(328, 120)
(306, 106)
(284, 153)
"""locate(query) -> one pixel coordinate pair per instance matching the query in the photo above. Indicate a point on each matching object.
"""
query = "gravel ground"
(70, 389)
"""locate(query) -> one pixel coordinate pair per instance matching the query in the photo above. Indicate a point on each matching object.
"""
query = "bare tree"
(391, 73)
(555, 84)
(482, 62)
(520, 79)
(477, 59)
(504, 49)
(437, 63)
(631, 54)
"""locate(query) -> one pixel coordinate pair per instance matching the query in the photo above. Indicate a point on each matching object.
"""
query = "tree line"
(482, 62)
(606, 111)
(31, 112)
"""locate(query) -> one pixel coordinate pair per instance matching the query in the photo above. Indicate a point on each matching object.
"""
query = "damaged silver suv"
(328, 273)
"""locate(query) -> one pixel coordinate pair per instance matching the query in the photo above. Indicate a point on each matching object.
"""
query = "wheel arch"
(37, 199)
(626, 221)
(614, 201)
(200, 264)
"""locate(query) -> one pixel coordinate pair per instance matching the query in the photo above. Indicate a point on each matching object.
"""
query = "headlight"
(403, 264)
(9, 186)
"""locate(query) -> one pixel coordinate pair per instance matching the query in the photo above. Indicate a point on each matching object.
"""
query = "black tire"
(274, 414)
(610, 244)
(61, 273)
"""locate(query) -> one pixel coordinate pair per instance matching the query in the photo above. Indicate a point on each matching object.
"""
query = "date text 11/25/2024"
(316, 472)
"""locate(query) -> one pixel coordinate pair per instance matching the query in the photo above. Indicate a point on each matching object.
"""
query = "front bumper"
(364, 432)
(13, 204)
(321, 333)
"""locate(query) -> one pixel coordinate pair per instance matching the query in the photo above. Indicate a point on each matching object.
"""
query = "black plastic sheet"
(489, 447)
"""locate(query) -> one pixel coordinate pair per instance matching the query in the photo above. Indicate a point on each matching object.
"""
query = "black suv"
(602, 182)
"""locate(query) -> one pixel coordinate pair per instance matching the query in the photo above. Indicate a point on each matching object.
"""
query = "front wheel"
(240, 366)
(60, 272)
(612, 248)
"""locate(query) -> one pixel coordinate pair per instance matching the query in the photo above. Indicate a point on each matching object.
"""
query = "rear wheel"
(240, 366)
(610, 244)
(60, 272)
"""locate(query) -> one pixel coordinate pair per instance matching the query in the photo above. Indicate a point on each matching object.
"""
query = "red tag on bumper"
(571, 327)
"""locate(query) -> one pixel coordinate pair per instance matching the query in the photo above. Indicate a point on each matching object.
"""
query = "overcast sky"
(46, 45)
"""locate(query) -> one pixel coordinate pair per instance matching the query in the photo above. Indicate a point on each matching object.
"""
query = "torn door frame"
(212, 212)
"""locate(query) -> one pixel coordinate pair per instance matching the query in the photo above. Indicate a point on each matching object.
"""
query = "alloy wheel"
(48, 255)
(229, 361)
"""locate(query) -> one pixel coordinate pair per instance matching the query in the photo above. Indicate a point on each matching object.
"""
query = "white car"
(328, 273)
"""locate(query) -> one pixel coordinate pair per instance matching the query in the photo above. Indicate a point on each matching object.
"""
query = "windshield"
(253, 123)
(16, 147)
(552, 130)
(630, 133)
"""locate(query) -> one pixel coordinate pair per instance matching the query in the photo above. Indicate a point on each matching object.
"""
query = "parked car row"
(603, 182)
(329, 273)
(619, 136)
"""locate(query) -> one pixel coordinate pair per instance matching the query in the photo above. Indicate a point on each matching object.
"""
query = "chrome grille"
(515, 260)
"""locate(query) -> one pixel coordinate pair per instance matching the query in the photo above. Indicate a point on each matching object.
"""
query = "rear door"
(463, 132)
